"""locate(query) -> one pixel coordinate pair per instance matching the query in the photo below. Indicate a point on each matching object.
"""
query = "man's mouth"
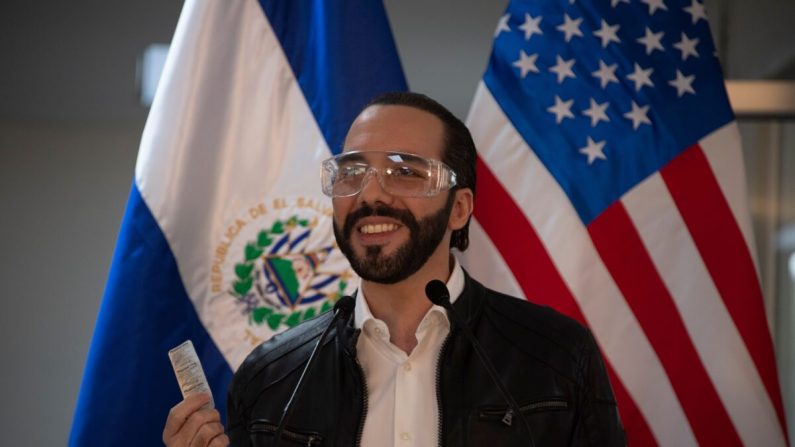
(378, 228)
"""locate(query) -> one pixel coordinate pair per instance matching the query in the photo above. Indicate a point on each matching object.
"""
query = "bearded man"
(400, 371)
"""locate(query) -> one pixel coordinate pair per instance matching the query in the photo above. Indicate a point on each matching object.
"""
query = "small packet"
(189, 372)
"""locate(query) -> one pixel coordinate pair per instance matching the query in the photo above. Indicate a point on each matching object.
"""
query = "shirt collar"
(455, 284)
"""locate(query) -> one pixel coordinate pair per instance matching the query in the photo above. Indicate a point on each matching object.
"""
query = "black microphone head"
(437, 292)
(345, 305)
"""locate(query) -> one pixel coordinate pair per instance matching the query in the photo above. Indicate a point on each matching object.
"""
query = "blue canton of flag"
(619, 88)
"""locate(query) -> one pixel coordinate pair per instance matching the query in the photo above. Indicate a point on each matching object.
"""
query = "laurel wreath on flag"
(245, 273)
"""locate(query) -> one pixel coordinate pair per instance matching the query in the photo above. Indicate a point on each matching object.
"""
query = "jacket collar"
(470, 303)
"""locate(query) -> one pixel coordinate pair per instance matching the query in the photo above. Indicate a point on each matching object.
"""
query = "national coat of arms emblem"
(287, 268)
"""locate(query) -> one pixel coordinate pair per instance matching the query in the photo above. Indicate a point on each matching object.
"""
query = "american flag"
(611, 187)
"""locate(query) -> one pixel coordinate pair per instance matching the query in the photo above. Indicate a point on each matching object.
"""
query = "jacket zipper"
(507, 414)
(308, 440)
(365, 404)
(442, 353)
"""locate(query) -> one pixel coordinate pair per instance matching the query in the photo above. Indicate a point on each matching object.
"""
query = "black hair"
(458, 152)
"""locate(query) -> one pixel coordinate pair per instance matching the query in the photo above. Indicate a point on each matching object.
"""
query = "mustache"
(404, 216)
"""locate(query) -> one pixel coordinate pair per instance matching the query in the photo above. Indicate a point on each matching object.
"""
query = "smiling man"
(400, 372)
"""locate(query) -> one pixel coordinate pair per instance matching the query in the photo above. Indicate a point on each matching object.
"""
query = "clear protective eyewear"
(398, 173)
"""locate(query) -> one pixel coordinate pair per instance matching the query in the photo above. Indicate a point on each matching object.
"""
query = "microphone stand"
(438, 294)
(342, 308)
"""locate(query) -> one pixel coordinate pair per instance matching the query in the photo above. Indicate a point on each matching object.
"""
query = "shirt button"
(407, 366)
(405, 436)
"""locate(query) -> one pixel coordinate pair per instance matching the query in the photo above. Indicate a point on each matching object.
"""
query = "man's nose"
(372, 191)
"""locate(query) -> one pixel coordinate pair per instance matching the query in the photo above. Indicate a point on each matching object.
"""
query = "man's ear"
(463, 205)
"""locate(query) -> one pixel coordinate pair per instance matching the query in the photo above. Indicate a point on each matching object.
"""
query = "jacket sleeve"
(236, 420)
(599, 423)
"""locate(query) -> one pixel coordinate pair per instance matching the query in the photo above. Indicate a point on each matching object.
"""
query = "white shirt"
(402, 408)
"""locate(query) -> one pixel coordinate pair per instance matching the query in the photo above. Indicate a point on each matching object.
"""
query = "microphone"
(342, 310)
(439, 295)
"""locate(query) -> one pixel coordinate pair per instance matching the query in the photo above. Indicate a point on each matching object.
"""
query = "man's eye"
(405, 171)
(350, 171)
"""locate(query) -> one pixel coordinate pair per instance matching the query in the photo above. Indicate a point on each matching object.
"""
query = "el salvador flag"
(226, 238)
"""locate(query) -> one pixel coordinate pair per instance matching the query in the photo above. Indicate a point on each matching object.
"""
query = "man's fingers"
(180, 413)
(198, 429)
(207, 432)
(220, 441)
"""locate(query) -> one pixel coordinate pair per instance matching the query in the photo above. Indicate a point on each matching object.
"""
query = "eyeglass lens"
(399, 175)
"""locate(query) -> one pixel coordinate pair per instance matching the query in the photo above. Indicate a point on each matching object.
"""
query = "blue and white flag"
(611, 187)
(227, 239)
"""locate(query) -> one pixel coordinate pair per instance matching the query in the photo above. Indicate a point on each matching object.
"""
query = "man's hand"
(189, 425)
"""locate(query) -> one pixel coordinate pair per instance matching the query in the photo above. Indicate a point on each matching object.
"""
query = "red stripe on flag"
(698, 196)
(520, 247)
(622, 250)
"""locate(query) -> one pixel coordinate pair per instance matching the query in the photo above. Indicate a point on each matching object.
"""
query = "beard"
(424, 236)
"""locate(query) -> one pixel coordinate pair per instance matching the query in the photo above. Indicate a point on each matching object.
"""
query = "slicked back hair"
(458, 152)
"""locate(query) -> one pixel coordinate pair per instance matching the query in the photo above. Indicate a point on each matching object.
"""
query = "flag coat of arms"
(611, 187)
(227, 238)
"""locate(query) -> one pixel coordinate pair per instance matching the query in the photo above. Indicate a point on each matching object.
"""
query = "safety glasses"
(398, 173)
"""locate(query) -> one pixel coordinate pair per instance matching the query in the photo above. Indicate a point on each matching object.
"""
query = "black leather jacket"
(550, 364)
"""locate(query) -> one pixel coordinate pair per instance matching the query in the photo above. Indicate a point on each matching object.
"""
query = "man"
(400, 372)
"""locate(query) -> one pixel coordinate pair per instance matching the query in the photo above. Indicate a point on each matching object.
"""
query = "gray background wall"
(70, 124)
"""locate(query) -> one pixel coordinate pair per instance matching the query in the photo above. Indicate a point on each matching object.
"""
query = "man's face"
(387, 238)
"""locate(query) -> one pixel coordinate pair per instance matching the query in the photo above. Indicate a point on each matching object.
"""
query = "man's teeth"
(377, 228)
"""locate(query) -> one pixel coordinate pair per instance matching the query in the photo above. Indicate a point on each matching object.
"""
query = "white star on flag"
(683, 84)
(615, 3)
(696, 11)
(563, 69)
(569, 27)
(597, 112)
(654, 5)
(608, 34)
(502, 25)
(638, 115)
(594, 150)
(531, 26)
(561, 109)
(526, 63)
(687, 46)
(641, 77)
(606, 74)
(652, 41)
